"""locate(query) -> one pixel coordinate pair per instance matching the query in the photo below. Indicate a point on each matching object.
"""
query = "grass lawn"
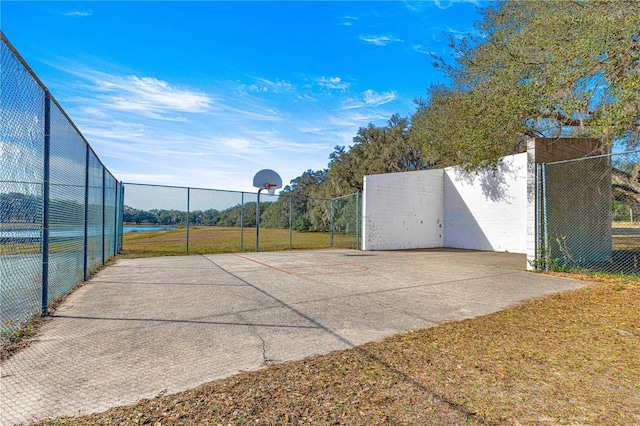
(214, 239)
(570, 358)
(626, 236)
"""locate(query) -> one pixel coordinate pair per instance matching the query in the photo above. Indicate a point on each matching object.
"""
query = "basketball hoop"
(269, 180)
(271, 188)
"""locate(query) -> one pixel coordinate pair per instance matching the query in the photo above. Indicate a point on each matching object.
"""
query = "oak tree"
(536, 68)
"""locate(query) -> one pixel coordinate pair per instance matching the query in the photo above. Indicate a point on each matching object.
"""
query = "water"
(25, 235)
(143, 228)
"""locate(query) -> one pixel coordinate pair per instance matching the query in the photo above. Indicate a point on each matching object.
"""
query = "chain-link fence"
(589, 214)
(173, 220)
(59, 215)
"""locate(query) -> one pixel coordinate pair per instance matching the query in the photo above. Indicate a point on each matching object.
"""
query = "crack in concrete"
(265, 360)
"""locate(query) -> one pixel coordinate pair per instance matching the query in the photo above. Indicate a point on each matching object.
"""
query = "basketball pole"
(258, 220)
(269, 180)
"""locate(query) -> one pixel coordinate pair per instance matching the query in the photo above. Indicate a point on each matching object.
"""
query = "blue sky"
(206, 93)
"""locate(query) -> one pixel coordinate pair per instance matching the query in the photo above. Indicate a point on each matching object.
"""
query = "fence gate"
(588, 214)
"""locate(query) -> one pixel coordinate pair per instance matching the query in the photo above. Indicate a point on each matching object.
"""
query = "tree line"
(303, 213)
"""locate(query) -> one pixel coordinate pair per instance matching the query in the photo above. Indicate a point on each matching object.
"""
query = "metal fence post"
(547, 252)
(85, 256)
(357, 221)
(290, 222)
(103, 212)
(115, 217)
(188, 202)
(121, 224)
(331, 223)
(538, 254)
(258, 221)
(45, 204)
(241, 217)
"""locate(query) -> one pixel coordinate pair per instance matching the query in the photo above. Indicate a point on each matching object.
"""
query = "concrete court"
(144, 326)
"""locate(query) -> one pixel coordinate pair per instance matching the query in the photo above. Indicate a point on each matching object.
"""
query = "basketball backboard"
(267, 179)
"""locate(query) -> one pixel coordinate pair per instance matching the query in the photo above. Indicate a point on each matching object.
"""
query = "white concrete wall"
(448, 208)
(487, 210)
(403, 210)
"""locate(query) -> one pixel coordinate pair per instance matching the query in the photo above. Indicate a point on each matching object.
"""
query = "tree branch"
(626, 189)
(567, 121)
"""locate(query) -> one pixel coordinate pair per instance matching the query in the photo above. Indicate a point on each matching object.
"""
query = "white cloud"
(333, 83)
(117, 130)
(92, 111)
(412, 6)
(263, 115)
(253, 142)
(458, 34)
(306, 97)
(133, 93)
(379, 40)
(443, 5)
(446, 4)
(348, 21)
(370, 98)
(156, 178)
(265, 85)
(276, 85)
(421, 49)
(79, 13)
(146, 96)
(256, 88)
(239, 144)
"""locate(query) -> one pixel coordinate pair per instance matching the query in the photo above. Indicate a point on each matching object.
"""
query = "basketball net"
(271, 188)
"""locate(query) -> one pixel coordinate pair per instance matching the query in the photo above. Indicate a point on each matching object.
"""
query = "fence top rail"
(184, 187)
(345, 196)
(594, 157)
(155, 185)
